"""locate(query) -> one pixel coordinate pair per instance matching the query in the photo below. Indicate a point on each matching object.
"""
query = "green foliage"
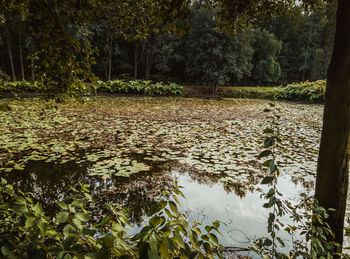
(138, 87)
(249, 92)
(267, 70)
(10, 89)
(266, 46)
(144, 87)
(215, 58)
(303, 91)
(26, 231)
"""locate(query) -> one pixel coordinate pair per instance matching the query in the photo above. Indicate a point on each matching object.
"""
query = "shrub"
(145, 87)
(13, 88)
(303, 91)
(27, 232)
(250, 92)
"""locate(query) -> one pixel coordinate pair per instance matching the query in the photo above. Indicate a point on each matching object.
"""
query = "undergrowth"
(304, 91)
(142, 87)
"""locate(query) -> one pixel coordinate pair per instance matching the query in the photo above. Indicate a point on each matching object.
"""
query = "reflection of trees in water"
(300, 177)
(238, 187)
(49, 182)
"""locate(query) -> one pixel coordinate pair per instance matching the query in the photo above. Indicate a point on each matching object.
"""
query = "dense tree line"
(287, 49)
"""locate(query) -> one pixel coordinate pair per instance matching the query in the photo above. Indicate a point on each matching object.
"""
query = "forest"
(174, 129)
(195, 53)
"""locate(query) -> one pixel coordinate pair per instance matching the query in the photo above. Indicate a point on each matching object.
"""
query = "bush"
(26, 231)
(303, 91)
(13, 88)
(145, 87)
(250, 92)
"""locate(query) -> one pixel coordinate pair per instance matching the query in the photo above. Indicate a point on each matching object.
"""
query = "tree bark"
(32, 68)
(307, 53)
(135, 61)
(148, 64)
(215, 87)
(333, 160)
(21, 56)
(110, 46)
(10, 57)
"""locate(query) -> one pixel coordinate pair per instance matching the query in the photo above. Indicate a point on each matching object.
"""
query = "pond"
(128, 149)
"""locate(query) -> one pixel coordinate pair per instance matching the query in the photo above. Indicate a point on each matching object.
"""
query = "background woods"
(126, 39)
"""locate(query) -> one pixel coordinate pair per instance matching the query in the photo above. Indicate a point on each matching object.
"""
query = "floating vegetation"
(218, 137)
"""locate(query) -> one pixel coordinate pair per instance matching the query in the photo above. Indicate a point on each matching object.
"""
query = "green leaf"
(108, 241)
(68, 242)
(30, 222)
(267, 180)
(5, 250)
(213, 238)
(62, 205)
(267, 242)
(208, 228)
(152, 250)
(82, 216)
(272, 166)
(173, 208)
(43, 227)
(69, 229)
(265, 153)
(156, 221)
(38, 209)
(178, 240)
(62, 217)
(270, 193)
(194, 240)
(156, 208)
(269, 142)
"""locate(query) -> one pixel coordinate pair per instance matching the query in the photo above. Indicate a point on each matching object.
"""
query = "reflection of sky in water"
(245, 218)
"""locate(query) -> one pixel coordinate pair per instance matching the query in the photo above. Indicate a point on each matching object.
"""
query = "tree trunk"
(146, 67)
(10, 57)
(135, 61)
(215, 87)
(21, 57)
(110, 46)
(333, 160)
(307, 53)
(148, 64)
(32, 68)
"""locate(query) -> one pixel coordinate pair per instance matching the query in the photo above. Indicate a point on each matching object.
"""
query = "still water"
(130, 149)
(238, 207)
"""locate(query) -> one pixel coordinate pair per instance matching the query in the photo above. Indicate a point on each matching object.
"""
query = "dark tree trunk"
(215, 88)
(10, 57)
(333, 160)
(135, 61)
(110, 46)
(148, 64)
(21, 56)
(307, 54)
(32, 68)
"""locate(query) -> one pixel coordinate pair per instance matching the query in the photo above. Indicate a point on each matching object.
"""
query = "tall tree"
(333, 162)
(213, 57)
(266, 47)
